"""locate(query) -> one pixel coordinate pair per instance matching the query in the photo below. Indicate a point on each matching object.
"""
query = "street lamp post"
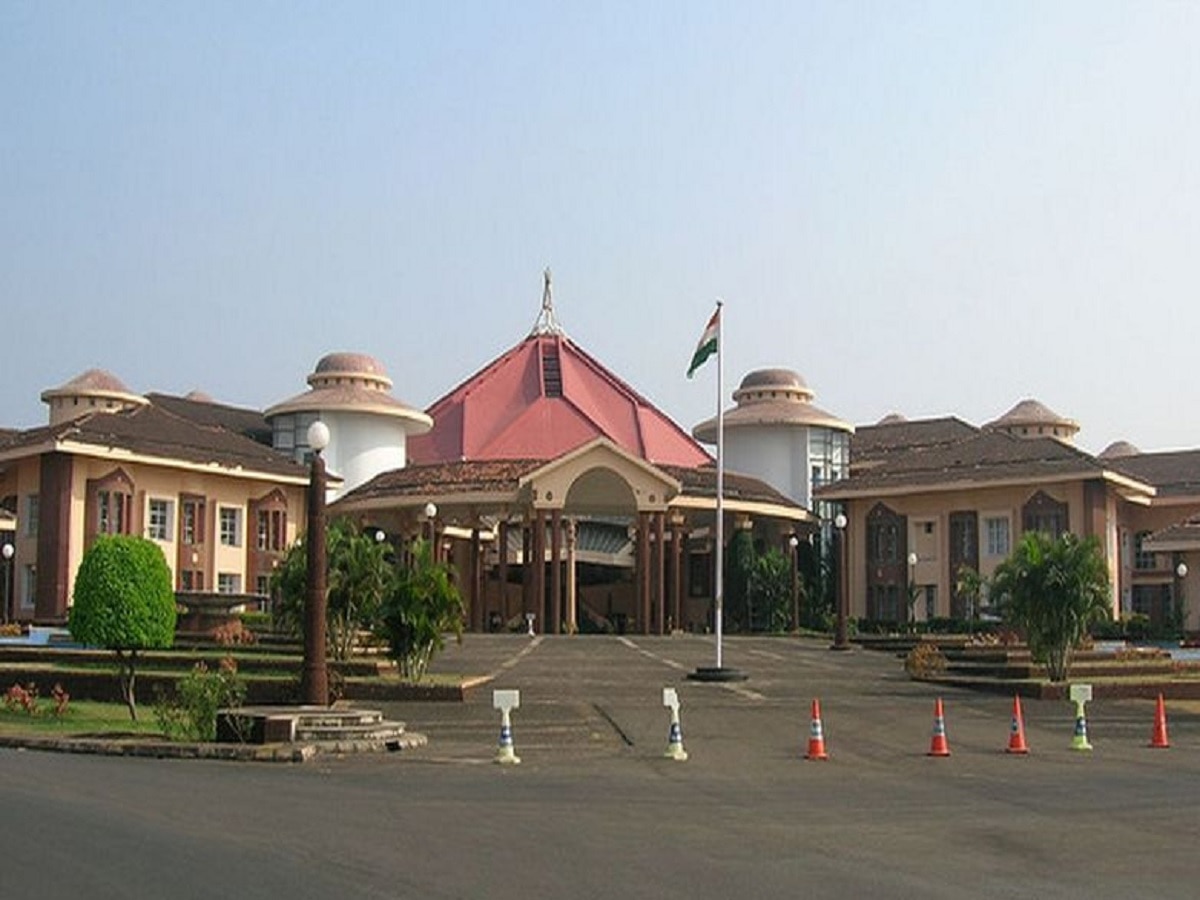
(1181, 571)
(911, 613)
(841, 640)
(7, 552)
(793, 543)
(431, 512)
(315, 679)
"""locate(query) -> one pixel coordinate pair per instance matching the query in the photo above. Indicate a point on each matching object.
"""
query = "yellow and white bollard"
(675, 736)
(506, 702)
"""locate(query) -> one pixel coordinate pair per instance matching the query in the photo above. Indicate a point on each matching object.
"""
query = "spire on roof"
(546, 322)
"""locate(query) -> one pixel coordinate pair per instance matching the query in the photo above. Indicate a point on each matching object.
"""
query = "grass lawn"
(82, 717)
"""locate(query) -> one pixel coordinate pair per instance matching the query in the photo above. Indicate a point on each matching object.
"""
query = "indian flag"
(708, 343)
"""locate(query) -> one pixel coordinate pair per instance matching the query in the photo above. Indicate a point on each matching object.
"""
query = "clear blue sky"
(923, 207)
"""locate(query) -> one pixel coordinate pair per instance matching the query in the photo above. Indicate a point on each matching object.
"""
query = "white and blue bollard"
(1080, 694)
(675, 735)
(506, 702)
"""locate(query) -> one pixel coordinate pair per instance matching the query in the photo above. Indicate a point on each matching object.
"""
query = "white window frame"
(989, 546)
(163, 530)
(229, 583)
(230, 537)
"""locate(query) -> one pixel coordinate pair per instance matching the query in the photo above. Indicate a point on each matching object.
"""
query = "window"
(996, 536)
(113, 512)
(229, 583)
(262, 585)
(31, 515)
(29, 585)
(158, 525)
(271, 529)
(230, 518)
(191, 520)
(191, 580)
(1143, 560)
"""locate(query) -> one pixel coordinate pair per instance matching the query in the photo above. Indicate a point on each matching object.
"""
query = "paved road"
(594, 810)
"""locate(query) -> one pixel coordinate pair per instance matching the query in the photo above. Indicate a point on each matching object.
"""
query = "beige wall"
(933, 550)
(152, 482)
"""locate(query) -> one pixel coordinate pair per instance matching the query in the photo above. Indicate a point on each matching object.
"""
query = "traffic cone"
(816, 734)
(1016, 736)
(1159, 739)
(675, 739)
(939, 746)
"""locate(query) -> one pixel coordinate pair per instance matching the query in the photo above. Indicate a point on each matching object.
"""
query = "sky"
(930, 208)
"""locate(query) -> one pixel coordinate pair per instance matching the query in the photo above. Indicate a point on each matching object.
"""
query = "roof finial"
(546, 322)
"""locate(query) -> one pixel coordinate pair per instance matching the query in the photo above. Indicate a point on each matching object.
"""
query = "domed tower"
(776, 433)
(93, 391)
(368, 427)
(1031, 419)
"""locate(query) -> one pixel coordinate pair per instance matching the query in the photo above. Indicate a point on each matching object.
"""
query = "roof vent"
(551, 370)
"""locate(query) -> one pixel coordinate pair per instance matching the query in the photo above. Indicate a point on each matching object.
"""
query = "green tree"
(421, 606)
(359, 576)
(771, 589)
(739, 563)
(124, 601)
(1052, 590)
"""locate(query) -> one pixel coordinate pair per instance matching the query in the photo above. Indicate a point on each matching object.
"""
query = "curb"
(157, 749)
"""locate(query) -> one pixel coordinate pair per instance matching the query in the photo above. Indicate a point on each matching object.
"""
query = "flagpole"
(712, 340)
(719, 598)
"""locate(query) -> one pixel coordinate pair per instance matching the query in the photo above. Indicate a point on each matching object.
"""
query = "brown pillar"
(660, 571)
(554, 607)
(539, 570)
(572, 587)
(643, 570)
(53, 537)
(502, 555)
(677, 573)
(527, 566)
(477, 615)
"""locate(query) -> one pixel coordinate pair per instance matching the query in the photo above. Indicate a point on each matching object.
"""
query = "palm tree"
(1052, 590)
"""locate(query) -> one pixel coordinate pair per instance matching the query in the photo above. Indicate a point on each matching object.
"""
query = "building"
(561, 493)
(369, 429)
(926, 499)
(183, 471)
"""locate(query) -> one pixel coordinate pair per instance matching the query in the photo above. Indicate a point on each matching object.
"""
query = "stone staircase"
(334, 729)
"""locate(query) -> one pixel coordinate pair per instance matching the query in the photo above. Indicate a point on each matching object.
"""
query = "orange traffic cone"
(939, 746)
(816, 734)
(1159, 738)
(1016, 736)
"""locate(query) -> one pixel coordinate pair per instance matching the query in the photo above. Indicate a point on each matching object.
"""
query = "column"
(660, 571)
(554, 607)
(643, 571)
(502, 569)
(677, 571)
(477, 612)
(572, 596)
(539, 570)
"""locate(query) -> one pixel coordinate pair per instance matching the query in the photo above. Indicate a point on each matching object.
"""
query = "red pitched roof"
(544, 398)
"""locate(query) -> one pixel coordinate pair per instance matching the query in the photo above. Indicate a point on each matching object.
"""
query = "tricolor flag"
(708, 343)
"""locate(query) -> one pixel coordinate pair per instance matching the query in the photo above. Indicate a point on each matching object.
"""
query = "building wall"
(57, 549)
(362, 446)
(932, 544)
(779, 456)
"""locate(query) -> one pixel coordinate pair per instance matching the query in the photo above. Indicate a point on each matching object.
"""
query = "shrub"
(191, 715)
(234, 634)
(124, 602)
(925, 660)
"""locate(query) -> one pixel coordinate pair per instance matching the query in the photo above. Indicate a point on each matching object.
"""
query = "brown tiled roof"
(989, 456)
(497, 476)
(504, 477)
(702, 482)
(1182, 533)
(873, 442)
(7, 435)
(1174, 473)
(153, 431)
(247, 422)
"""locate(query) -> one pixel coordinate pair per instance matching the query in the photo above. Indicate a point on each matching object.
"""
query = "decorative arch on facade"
(887, 564)
(1042, 512)
(108, 506)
